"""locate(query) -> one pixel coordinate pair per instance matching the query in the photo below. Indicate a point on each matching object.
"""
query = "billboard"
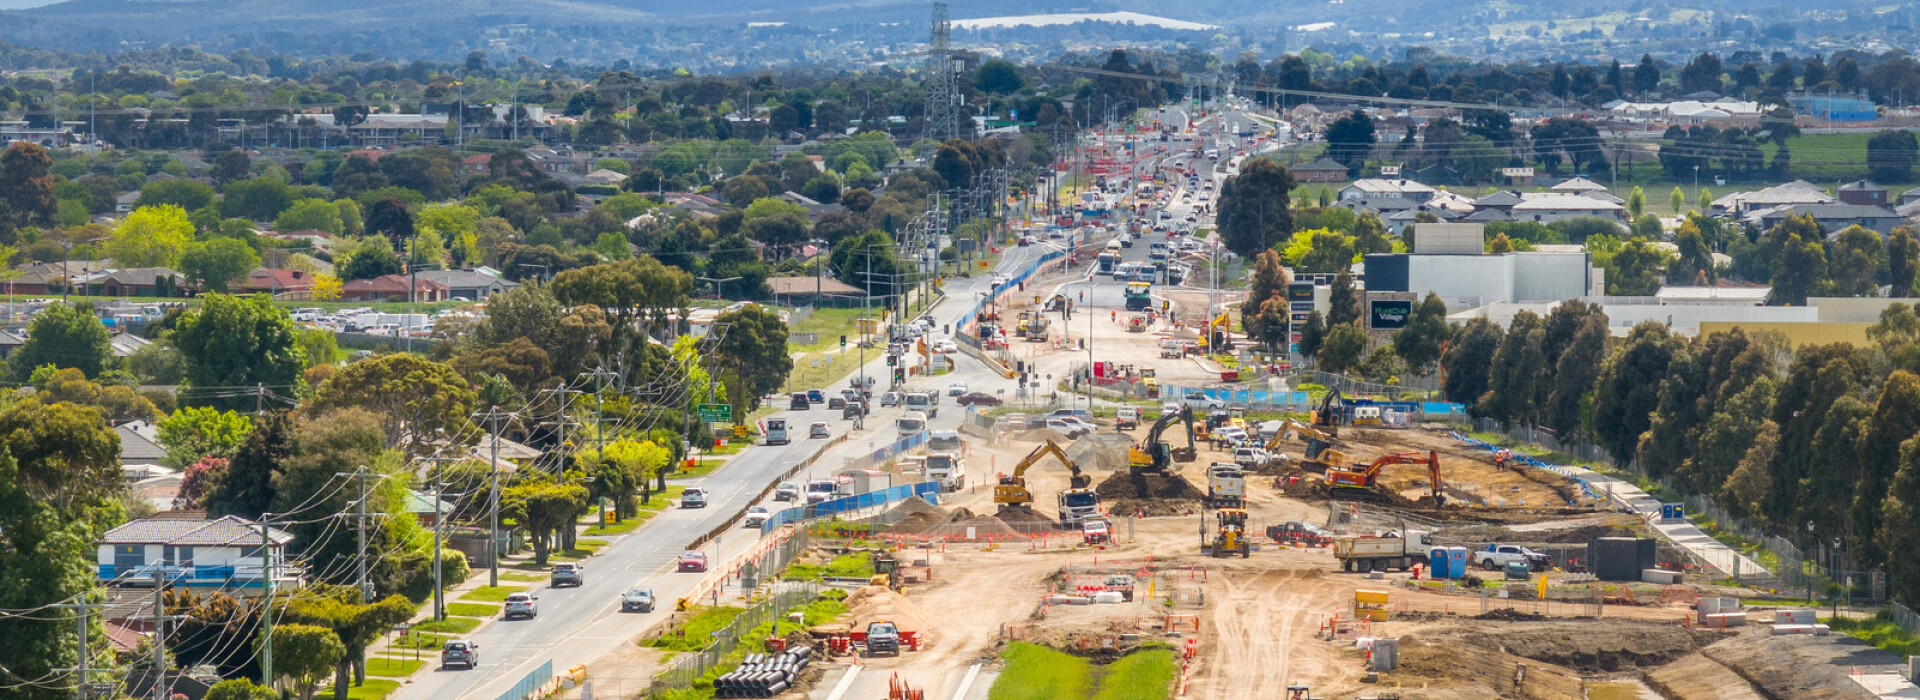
(1388, 314)
(1298, 292)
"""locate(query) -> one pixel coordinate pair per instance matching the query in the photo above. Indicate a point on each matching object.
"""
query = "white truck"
(1226, 485)
(945, 441)
(948, 469)
(1392, 550)
(927, 402)
(1078, 506)
(853, 482)
(1495, 557)
(820, 490)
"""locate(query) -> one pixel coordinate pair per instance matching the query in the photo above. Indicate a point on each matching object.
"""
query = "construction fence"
(684, 670)
(534, 683)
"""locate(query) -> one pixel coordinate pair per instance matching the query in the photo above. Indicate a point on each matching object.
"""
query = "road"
(578, 625)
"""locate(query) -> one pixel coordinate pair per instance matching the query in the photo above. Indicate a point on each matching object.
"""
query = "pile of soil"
(1592, 646)
(1128, 495)
(870, 603)
(983, 525)
(1021, 515)
(1102, 451)
(1510, 615)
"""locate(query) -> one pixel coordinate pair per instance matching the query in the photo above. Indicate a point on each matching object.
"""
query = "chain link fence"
(684, 670)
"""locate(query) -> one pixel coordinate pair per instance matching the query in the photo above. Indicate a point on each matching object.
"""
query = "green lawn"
(493, 594)
(473, 609)
(855, 565)
(696, 632)
(373, 689)
(456, 625)
(660, 502)
(1035, 672)
(521, 577)
(1142, 675)
(393, 667)
(422, 640)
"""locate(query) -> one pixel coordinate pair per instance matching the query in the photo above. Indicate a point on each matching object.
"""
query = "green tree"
(229, 166)
(1574, 373)
(1419, 342)
(1343, 302)
(1705, 200)
(1637, 270)
(1857, 255)
(189, 195)
(1350, 140)
(216, 264)
(998, 77)
(1270, 326)
(634, 293)
(1694, 266)
(1328, 252)
(1677, 200)
(1636, 203)
(27, 183)
(238, 341)
(545, 509)
(425, 404)
(752, 357)
(304, 655)
(240, 689)
(194, 432)
(1342, 348)
(1891, 154)
(63, 336)
(1799, 271)
(311, 215)
(260, 199)
(1269, 281)
(1312, 334)
(247, 487)
(1628, 388)
(1254, 212)
(1468, 361)
(372, 257)
(1903, 261)
(151, 237)
(1519, 368)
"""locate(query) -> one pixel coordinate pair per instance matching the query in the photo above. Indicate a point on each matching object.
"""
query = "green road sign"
(716, 412)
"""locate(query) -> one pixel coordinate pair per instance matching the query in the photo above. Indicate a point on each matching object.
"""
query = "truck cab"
(820, 490)
(912, 422)
(948, 469)
(926, 402)
(1077, 506)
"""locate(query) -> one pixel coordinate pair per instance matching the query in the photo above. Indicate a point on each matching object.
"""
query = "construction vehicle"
(1215, 340)
(1319, 453)
(1139, 296)
(1077, 503)
(1331, 412)
(1367, 416)
(1230, 534)
(1126, 419)
(1394, 550)
(1136, 324)
(1226, 485)
(1154, 454)
(1348, 482)
(1057, 303)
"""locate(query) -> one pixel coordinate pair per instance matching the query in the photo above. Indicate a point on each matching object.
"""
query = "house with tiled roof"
(282, 283)
(188, 549)
(469, 285)
(387, 287)
(1321, 169)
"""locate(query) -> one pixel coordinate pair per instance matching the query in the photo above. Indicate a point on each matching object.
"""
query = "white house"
(1548, 207)
(195, 552)
(1378, 188)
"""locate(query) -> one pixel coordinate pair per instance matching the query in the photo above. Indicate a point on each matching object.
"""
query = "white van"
(912, 422)
(776, 431)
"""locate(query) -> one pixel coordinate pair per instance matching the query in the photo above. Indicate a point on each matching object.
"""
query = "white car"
(521, 605)
(1073, 428)
(956, 388)
(756, 517)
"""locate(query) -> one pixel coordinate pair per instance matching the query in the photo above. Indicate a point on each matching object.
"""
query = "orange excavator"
(1367, 480)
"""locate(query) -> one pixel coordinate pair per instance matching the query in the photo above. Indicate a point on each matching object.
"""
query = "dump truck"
(949, 469)
(1226, 485)
(1390, 551)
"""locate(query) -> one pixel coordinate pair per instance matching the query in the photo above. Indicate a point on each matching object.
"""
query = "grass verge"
(473, 609)
(373, 689)
(695, 632)
(493, 594)
(455, 625)
(521, 577)
(852, 565)
(392, 667)
(1880, 631)
(1142, 675)
(1035, 672)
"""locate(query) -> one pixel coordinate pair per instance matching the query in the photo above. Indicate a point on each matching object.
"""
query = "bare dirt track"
(1258, 636)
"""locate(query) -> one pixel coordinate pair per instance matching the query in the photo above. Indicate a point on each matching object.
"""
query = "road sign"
(716, 412)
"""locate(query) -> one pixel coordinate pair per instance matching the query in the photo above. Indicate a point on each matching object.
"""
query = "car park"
(460, 651)
(521, 605)
(637, 599)
(693, 497)
(693, 562)
(567, 573)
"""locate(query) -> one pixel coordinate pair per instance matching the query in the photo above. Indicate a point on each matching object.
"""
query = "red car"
(978, 399)
(693, 561)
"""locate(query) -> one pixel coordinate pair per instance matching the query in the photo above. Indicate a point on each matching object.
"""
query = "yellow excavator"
(1230, 534)
(1319, 453)
(1156, 455)
(1076, 503)
(1215, 338)
(1331, 413)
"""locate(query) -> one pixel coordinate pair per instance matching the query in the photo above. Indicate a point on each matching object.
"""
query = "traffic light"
(893, 360)
(843, 341)
(899, 375)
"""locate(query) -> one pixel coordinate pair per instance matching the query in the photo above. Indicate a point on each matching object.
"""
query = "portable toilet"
(1437, 564)
(1457, 562)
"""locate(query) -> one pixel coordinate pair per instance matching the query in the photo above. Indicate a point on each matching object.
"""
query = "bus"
(1139, 296)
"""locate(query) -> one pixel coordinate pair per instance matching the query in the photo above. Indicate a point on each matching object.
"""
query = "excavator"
(1320, 455)
(1077, 503)
(1157, 454)
(1365, 483)
(1331, 412)
(1230, 534)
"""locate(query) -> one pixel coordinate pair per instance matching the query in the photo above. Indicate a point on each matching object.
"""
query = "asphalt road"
(578, 625)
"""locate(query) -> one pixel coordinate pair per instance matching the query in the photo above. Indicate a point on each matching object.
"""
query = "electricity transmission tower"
(942, 118)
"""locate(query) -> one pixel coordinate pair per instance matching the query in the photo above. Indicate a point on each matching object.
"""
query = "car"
(786, 492)
(521, 605)
(956, 388)
(756, 517)
(999, 280)
(693, 497)
(883, 638)
(816, 396)
(1232, 435)
(1026, 241)
(945, 347)
(799, 402)
(836, 403)
(567, 574)
(891, 398)
(818, 430)
(637, 599)
(460, 651)
(978, 398)
(1251, 457)
(693, 562)
(1073, 428)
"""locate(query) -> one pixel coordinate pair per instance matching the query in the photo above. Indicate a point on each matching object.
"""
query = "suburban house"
(801, 291)
(282, 283)
(391, 130)
(1741, 204)
(126, 344)
(469, 285)
(1863, 193)
(124, 203)
(1548, 207)
(1579, 185)
(1831, 217)
(191, 550)
(387, 287)
(605, 177)
(1322, 169)
(130, 282)
(815, 210)
(1377, 188)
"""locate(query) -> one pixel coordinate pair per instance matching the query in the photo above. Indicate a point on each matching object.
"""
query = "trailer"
(1391, 551)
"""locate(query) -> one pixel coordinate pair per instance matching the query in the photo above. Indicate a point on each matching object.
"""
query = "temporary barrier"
(535, 682)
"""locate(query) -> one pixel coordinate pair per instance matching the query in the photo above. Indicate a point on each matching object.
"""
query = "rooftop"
(226, 531)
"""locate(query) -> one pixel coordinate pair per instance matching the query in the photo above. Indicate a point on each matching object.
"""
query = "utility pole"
(160, 619)
(266, 598)
(493, 416)
(83, 669)
(361, 475)
(941, 117)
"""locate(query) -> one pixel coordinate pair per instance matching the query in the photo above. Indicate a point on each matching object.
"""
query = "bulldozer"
(1155, 455)
(1230, 534)
(1365, 483)
(1077, 503)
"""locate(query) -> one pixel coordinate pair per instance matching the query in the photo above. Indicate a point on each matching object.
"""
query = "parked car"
(756, 517)
(818, 430)
(637, 599)
(521, 605)
(693, 561)
(1494, 557)
(567, 574)
(1126, 419)
(1073, 428)
(956, 388)
(786, 492)
(978, 398)
(1251, 457)
(693, 497)
(460, 651)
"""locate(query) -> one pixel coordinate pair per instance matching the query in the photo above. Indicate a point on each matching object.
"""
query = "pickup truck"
(883, 636)
(1394, 550)
(1126, 419)
(1495, 557)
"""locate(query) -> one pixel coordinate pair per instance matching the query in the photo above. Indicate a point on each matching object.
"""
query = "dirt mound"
(1510, 615)
(1592, 646)
(1102, 451)
(917, 515)
(1021, 515)
(870, 603)
(1128, 494)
